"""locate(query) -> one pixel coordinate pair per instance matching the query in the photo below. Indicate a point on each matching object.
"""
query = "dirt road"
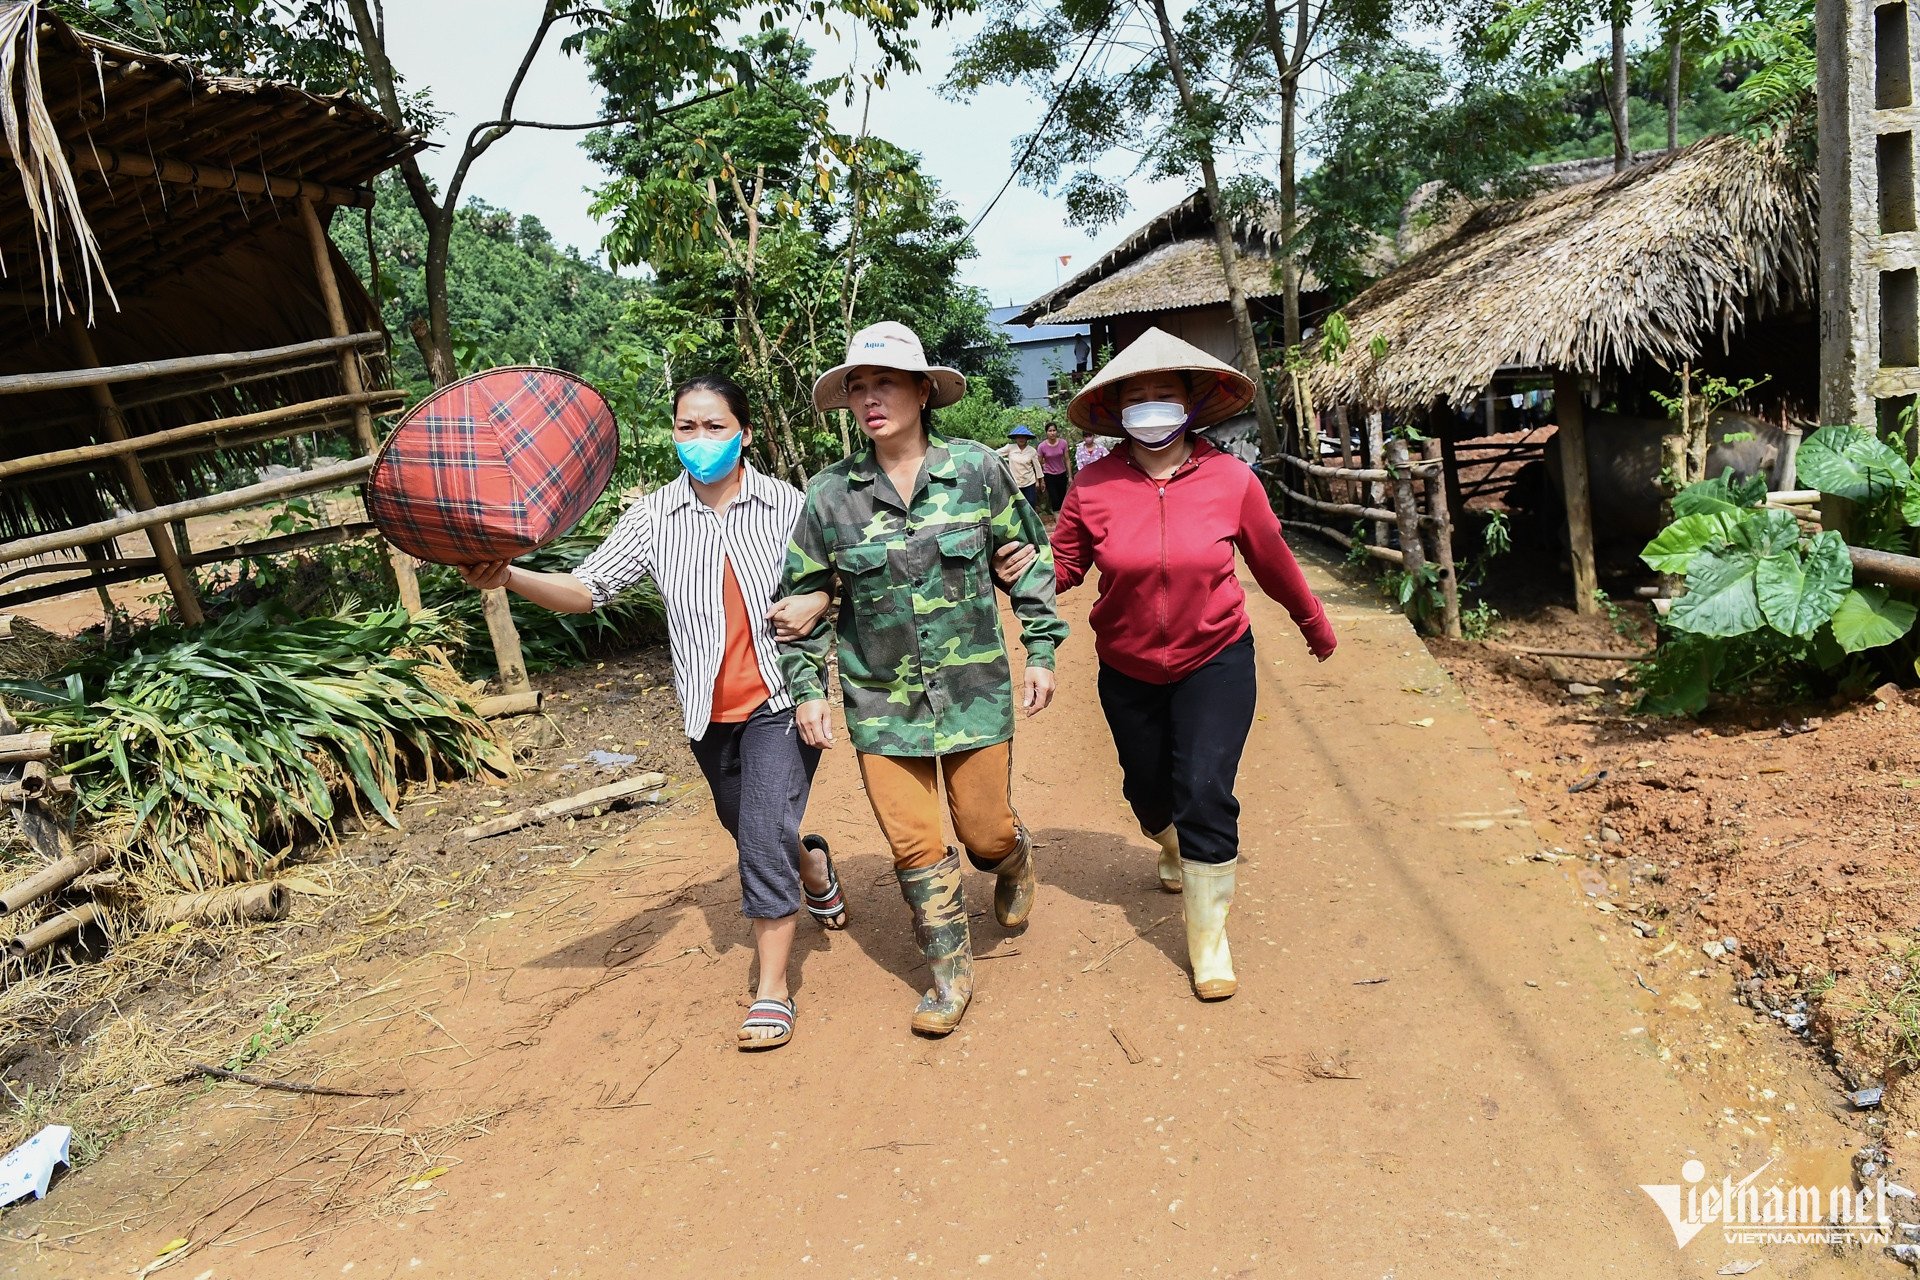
(1431, 1069)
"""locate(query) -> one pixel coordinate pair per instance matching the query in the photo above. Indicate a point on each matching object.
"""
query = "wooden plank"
(107, 375)
(1570, 412)
(338, 475)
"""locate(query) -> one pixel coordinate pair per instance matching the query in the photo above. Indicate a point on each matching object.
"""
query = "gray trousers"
(761, 773)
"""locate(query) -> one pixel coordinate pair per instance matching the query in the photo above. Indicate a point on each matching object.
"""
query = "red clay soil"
(1792, 831)
(1432, 1067)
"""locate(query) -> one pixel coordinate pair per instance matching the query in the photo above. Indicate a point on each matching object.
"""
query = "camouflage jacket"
(923, 664)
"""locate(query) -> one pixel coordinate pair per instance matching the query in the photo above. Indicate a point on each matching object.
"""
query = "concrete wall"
(1869, 228)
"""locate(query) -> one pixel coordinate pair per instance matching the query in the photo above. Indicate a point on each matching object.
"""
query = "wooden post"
(1570, 414)
(1377, 457)
(186, 596)
(1347, 491)
(506, 641)
(1439, 504)
(403, 574)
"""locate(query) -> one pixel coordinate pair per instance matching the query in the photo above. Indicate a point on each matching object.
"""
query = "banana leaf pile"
(206, 754)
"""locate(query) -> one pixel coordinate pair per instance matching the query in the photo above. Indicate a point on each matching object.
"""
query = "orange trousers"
(905, 794)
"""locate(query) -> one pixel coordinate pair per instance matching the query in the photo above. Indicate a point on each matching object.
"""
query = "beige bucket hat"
(890, 346)
(1219, 389)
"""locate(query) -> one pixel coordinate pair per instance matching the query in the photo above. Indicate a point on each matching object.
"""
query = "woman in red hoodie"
(1161, 520)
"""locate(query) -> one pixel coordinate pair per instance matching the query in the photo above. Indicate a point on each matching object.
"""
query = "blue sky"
(466, 51)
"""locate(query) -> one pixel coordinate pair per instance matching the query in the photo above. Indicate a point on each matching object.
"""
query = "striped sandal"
(829, 908)
(777, 1014)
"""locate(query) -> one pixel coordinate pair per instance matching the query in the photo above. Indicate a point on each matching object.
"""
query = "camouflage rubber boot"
(1208, 893)
(1169, 842)
(940, 928)
(1014, 881)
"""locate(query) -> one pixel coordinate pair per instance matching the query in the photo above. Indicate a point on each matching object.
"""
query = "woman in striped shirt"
(715, 540)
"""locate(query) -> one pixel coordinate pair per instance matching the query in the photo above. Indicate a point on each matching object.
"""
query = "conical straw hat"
(1219, 389)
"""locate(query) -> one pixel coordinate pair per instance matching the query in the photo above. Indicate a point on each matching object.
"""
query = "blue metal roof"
(1020, 334)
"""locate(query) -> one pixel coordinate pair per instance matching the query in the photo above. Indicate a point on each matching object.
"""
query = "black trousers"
(1180, 748)
(761, 773)
(1056, 489)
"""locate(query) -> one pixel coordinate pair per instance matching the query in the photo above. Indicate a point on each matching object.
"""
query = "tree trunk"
(438, 217)
(1245, 340)
(1673, 86)
(1617, 96)
(1289, 214)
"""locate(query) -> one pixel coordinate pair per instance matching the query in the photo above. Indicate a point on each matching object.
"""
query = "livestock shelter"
(179, 336)
(1698, 263)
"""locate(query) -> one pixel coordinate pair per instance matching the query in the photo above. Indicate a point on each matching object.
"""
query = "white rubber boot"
(1169, 842)
(1209, 894)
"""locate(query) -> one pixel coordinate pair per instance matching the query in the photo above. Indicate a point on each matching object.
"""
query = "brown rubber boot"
(1014, 881)
(939, 906)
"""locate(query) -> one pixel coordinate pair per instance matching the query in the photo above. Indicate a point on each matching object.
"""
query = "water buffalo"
(1623, 470)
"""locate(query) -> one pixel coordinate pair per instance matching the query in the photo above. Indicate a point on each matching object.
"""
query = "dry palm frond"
(59, 222)
(1650, 264)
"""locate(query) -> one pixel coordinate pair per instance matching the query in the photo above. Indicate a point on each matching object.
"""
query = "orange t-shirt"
(739, 689)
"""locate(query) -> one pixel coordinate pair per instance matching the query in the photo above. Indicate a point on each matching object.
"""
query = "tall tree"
(1543, 34)
(771, 233)
(1129, 79)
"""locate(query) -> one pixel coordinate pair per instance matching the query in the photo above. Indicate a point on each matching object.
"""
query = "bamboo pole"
(512, 666)
(1885, 567)
(1570, 413)
(125, 445)
(18, 747)
(333, 476)
(404, 577)
(1376, 457)
(186, 593)
(1347, 490)
(1443, 543)
(58, 784)
(117, 571)
(1417, 467)
(54, 877)
(1353, 509)
(1379, 553)
(645, 786)
(230, 905)
(58, 929)
(509, 704)
(211, 177)
(108, 375)
(1407, 507)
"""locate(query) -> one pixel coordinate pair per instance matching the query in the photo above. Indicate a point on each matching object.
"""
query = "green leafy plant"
(204, 753)
(1753, 577)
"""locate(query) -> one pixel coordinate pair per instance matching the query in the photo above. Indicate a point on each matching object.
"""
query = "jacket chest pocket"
(963, 562)
(863, 570)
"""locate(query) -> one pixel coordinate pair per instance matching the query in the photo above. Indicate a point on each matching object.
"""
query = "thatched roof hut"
(1654, 264)
(152, 212)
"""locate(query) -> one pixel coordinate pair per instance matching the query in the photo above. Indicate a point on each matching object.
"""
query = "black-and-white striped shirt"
(683, 545)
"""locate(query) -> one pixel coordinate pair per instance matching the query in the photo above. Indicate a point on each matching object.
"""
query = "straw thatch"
(1648, 265)
(1184, 273)
(192, 268)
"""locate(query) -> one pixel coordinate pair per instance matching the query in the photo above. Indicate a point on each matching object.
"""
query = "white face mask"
(1155, 423)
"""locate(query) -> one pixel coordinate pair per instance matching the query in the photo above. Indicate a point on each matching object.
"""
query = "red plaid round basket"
(493, 466)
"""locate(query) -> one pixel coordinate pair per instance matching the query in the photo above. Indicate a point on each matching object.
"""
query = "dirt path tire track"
(1501, 1115)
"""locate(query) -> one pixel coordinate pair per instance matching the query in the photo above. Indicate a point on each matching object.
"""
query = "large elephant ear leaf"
(1717, 496)
(1910, 501)
(1674, 549)
(1768, 533)
(1721, 598)
(1850, 462)
(1797, 595)
(1869, 618)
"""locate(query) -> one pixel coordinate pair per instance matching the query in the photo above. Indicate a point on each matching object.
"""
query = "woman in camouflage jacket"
(909, 524)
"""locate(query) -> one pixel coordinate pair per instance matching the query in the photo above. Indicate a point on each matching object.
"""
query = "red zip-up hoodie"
(1170, 597)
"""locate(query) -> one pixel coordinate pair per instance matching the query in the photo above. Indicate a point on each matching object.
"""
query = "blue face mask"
(707, 459)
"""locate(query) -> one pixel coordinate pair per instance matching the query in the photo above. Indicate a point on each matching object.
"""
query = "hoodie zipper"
(1166, 585)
